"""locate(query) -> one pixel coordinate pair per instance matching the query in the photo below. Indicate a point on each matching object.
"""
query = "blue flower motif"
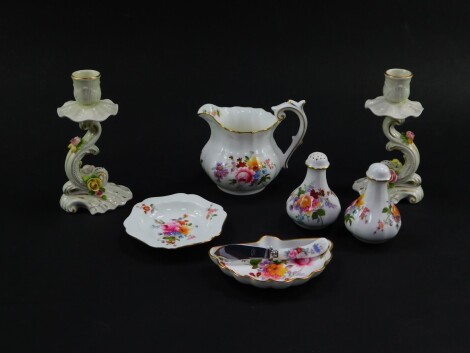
(317, 248)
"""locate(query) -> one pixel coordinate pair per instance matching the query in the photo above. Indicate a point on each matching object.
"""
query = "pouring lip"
(204, 111)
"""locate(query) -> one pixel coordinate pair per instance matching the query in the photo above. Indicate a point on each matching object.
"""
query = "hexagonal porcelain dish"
(278, 273)
(175, 221)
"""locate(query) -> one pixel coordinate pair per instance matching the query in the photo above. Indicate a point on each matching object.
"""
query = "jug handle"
(297, 140)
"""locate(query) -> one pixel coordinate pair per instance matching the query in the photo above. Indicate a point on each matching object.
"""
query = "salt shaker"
(313, 205)
(372, 217)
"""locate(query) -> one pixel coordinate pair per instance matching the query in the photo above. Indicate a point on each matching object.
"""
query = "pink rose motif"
(292, 254)
(99, 193)
(244, 175)
(75, 141)
(393, 176)
(171, 228)
(303, 261)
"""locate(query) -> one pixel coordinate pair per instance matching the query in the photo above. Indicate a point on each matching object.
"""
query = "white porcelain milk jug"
(241, 156)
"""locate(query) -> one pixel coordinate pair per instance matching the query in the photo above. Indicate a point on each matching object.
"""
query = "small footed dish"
(175, 221)
(275, 273)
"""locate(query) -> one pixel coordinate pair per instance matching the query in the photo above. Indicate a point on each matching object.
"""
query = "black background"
(79, 283)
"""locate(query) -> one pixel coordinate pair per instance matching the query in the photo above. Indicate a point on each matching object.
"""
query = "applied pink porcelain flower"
(244, 175)
(393, 176)
(75, 141)
(410, 136)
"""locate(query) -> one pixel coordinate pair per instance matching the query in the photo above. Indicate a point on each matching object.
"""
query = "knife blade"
(236, 252)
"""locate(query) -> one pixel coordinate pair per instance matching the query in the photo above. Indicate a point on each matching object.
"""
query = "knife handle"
(314, 249)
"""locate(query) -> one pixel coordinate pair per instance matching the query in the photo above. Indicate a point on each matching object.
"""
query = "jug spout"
(209, 112)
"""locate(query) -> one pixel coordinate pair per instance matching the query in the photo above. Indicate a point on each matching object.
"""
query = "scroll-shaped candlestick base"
(88, 186)
(405, 182)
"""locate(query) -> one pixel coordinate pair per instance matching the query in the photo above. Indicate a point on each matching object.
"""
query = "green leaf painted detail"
(254, 263)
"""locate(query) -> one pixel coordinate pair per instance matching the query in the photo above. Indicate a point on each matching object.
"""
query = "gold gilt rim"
(271, 280)
(184, 246)
(96, 75)
(410, 75)
(310, 167)
(244, 132)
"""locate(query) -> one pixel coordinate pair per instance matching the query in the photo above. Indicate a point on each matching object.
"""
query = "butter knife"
(236, 252)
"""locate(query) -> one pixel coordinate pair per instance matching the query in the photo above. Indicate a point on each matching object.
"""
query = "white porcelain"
(397, 85)
(241, 156)
(175, 221)
(313, 205)
(88, 186)
(396, 108)
(274, 273)
(79, 113)
(86, 86)
(372, 217)
(381, 107)
(87, 104)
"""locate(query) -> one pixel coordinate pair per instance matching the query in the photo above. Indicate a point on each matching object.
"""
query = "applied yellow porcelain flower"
(275, 271)
(396, 164)
(254, 164)
(94, 184)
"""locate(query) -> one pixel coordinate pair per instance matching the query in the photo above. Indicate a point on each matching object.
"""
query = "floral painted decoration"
(247, 170)
(310, 203)
(146, 208)
(278, 270)
(302, 252)
(408, 137)
(75, 144)
(393, 217)
(95, 186)
(357, 208)
(213, 113)
(175, 230)
(211, 213)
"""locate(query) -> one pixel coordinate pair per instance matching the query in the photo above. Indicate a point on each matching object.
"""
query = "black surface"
(79, 283)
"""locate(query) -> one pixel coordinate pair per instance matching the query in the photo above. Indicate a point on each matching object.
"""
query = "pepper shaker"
(313, 205)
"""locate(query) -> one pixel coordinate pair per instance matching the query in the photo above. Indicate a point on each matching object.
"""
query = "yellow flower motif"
(395, 213)
(94, 184)
(275, 271)
(359, 201)
(254, 164)
(72, 148)
(396, 164)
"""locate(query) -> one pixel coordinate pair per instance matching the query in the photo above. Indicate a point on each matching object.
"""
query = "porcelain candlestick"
(88, 186)
(395, 107)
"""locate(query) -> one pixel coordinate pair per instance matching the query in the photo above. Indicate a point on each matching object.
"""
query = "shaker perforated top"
(317, 160)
